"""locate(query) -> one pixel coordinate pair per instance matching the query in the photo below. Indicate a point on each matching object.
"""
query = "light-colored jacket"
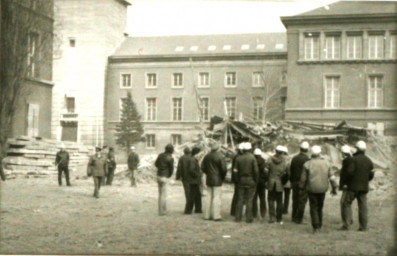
(98, 165)
(315, 175)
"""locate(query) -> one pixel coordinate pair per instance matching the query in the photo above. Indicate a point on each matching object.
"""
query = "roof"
(196, 45)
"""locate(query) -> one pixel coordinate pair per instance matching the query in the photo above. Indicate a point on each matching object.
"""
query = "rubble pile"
(27, 155)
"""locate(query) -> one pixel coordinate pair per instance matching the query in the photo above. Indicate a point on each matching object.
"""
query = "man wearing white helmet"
(299, 197)
(360, 172)
(62, 162)
(260, 187)
(315, 177)
(343, 178)
(133, 161)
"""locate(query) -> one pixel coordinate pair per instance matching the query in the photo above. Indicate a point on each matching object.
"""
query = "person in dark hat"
(98, 165)
(165, 169)
(111, 166)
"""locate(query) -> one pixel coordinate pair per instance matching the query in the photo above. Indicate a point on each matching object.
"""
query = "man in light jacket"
(98, 165)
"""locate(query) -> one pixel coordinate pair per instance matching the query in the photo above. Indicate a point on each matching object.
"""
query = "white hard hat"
(304, 145)
(241, 146)
(132, 147)
(280, 148)
(361, 145)
(248, 146)
(258, 152)
(62, 146)
(316, 150)
(285, 149)
(345, 149)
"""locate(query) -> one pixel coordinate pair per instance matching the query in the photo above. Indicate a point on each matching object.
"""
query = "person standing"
(315, 177)
(62, 162)
(276, 167)
(261, 186)
(2, 174)
(165, 169)
(98, 164)
(343, 180)
(360, 173)
(133, 161)
(111, 166)
(194, 179)
(247, 177)
(214, 166)
(299, 197)
(234, 179)
(287, 185)
(184, 166)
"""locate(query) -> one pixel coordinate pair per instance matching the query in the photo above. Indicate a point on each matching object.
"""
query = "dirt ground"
(39, 217)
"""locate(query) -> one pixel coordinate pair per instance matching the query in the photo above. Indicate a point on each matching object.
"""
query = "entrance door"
(69, 131)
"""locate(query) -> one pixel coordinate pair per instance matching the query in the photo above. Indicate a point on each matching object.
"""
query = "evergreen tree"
(129, 130)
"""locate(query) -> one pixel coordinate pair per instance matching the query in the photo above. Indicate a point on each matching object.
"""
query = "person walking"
(261, 187)
(315, 177)
(277, 170)
(133, 161)
(165, 169)
(62, 162)
(299, 197)
(343, 181)
(98, 164)
(360, 173)
(193, 177)
(111, 166)
(247, 178)
(184, 166)
(239, 151)
(214, 167)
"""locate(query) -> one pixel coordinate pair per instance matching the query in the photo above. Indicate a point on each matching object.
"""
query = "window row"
(358, 45)
(175, 140)
(203, 79)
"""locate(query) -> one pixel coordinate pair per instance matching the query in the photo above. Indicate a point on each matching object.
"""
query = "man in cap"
(98, 165)
(234, 179)
(133, 161)
(299, 197)
(247, 177)
(315, 177)
(343, 180)
(261, 186)
(360, 173)
(62, 162)
(111, 166)
(276, 168)
(184, 167)
(214, 166)
(165, 169)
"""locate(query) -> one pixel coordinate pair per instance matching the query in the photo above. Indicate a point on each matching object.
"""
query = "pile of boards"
(27, 155)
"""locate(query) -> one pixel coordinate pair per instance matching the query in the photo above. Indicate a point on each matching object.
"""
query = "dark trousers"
(261, 193)
(132, 177)
(299, 200)
(109, 176)
(64, 169)
(275, 197)
(234, 201)
(287, 194)
(97, 185)
(245, 196)
(316, 201)
(194, 199)
(362, 208)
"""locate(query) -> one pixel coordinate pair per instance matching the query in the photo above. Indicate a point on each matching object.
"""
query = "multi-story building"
(89, 32)
(342, 62)
(179, 82)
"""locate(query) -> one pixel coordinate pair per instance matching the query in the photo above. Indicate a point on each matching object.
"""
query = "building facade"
(342, 62)
(89, 31)
(178, 83)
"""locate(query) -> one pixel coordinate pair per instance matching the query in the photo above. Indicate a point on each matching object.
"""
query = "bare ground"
(39, 217)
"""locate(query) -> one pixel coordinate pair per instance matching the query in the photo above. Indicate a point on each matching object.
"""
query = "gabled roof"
(198, 45)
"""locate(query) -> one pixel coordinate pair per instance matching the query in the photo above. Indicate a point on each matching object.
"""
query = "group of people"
(307, 175)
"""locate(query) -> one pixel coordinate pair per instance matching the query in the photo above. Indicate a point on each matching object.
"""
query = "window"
(260, 46)
(257, 108)
(311, 46)
(177, 109)
(375, 92)
(205, 108)
(151, 80)
(176, 139)
(177, 80)
(393, 46)
(204, 79)
(212, 48)
(331, 92)
(33, 120)
(70, 104)
(375, 46)
(230, 79)
(194, 48)
(227, 47)
(279, 46)
(332, 47)
(354, 46)
(125, 81)
(151, 108)
(179, 48)
(72, 42)
(245, 47)
(33, 58)
(231, 106)
(150, 140)
(257, 79)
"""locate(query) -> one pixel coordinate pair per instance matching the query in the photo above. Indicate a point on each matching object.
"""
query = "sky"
(193, 17)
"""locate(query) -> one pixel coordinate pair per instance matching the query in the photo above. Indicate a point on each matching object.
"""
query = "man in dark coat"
(184, 166)
(214, 166)
(2, 174)
(343, 180)
(165, 169)
(234, 180)
(111, 166)
(261, 186)
(315, 177)
(193, 177)
(133, 161)
(299, 197)
(62, 162)
(360, 173)
(98, 165)
(247, 178)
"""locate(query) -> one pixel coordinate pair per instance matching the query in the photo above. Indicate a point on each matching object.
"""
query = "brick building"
(230, 74)
(342, 62)
(90, 31)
